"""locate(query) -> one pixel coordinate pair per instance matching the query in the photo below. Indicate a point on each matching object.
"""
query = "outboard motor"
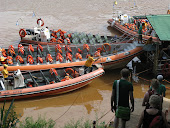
(18, 79)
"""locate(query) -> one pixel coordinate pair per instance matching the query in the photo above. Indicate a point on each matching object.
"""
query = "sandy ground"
(89, 16)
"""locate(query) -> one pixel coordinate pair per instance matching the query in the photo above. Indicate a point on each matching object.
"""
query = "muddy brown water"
(89, 16)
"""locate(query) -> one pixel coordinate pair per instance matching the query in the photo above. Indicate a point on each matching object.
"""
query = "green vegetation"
(83, 124)
(9, 118)
(40, 123)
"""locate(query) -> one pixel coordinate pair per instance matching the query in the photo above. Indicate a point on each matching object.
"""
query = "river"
(89, 16)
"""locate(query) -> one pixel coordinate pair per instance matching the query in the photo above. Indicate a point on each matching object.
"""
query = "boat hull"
(127, 31)
(114, 61)
(51, 89)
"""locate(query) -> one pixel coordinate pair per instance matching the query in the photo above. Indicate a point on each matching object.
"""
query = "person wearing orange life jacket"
(88, 63)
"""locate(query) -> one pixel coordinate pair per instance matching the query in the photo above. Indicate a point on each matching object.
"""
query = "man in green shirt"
(140, 33)
(125, 91)
(162, 88)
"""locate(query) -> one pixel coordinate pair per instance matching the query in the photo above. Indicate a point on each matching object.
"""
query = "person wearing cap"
(6, 73)
(162, 88)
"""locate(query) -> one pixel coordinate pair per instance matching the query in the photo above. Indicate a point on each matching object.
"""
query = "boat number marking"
(14, 92)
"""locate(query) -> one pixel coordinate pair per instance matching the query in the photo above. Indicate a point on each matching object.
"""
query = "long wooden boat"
(112, 55)
(128, 31)
(47, 82)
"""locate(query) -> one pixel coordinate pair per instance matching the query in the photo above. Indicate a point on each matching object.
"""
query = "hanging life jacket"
(30, 59)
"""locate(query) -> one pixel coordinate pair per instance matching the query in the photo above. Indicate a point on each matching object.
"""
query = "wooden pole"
(155, 67)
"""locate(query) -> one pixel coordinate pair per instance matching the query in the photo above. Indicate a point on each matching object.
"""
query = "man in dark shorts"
(125, 90)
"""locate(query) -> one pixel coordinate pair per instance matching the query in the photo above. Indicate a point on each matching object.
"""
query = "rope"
(103, 115)
(68, 108)
(143, 71)
(150, 81)
(109, 121)
(166, 81)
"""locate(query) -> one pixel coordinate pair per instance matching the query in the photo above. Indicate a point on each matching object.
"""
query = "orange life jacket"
(53, 71)
(58, 47)
(78, 56)
(68, 56)
(59, 57)
(39, 59)
(20, 59)
(4, 52)
(9, 60)
(86, 46)
(67, 48)
(30, 59)
(49, 58)
(30, 48)
(39, 47)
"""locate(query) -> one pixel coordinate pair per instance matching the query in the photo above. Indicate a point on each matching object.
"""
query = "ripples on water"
(88, 16)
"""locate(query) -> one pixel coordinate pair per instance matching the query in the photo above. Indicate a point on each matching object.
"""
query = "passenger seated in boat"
(88, 63)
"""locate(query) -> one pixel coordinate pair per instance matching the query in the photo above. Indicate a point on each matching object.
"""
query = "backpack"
(157, 122)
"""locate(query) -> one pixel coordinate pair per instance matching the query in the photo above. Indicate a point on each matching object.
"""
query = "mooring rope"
(103, 115)
(109, 121)
(68, 108)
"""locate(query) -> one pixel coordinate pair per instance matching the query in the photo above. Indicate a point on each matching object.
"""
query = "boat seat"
(7, 84)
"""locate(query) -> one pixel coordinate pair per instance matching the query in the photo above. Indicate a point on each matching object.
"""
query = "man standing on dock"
(162, 88)
(140, 33)
(122, 90)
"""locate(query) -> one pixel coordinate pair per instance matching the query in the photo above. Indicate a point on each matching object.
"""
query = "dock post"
(155, 66)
